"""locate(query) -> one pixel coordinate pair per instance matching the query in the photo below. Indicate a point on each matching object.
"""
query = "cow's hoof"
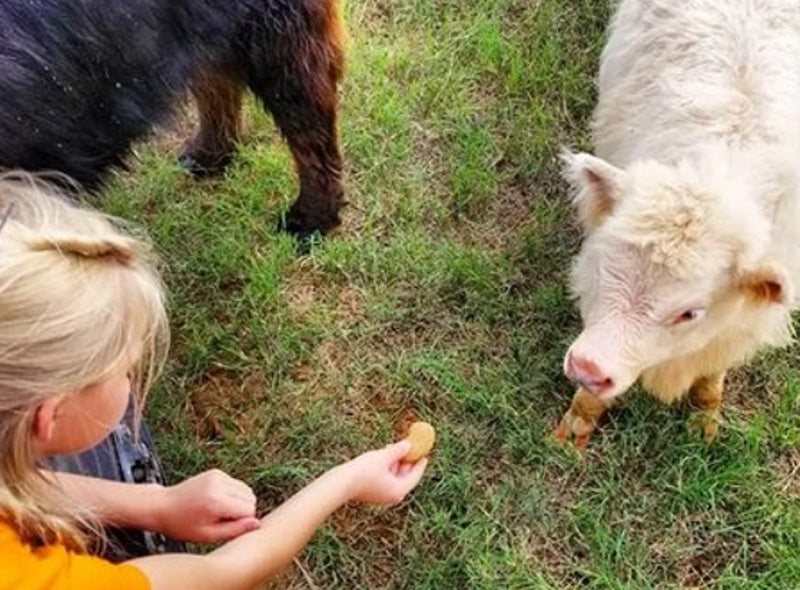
(304, 239)
(576, 429)
(202, 164)
(307, 227)
(705, 423)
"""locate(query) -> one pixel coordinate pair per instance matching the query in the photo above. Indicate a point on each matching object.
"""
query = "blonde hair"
(80, 299)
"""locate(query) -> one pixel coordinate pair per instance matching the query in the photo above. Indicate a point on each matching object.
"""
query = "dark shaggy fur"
(80, 80)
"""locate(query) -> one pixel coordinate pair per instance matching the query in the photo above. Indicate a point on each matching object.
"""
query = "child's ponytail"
(112, 248)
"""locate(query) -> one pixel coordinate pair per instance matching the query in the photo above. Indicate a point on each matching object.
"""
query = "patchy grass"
(443, 297)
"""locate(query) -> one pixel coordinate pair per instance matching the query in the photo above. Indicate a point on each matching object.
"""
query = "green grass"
(444, 297)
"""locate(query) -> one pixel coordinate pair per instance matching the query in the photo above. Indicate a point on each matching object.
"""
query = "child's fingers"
(411, 478)
(398, 450)
(235, 507)
(404, 468)
(242, 497)
(242, 490)
(229, 529)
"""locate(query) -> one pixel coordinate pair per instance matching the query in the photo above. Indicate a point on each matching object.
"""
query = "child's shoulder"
(54, 567)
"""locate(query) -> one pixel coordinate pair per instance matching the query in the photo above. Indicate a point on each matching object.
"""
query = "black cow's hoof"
(304, 238)
(204, 164)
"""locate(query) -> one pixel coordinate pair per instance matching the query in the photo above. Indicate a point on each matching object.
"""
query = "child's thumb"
(230, 529)
(398, 450)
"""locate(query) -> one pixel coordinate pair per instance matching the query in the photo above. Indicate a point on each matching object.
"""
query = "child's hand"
(380, 477)
(208, 508)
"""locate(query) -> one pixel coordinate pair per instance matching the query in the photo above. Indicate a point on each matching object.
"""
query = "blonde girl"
(82, 325)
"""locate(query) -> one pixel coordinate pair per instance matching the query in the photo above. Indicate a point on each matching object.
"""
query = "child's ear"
(44, 421)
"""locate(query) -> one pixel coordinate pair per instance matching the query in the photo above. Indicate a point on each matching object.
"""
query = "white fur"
(699, 120)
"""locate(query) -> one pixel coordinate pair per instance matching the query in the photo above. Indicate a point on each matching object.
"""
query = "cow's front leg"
(705, 398)
(581, 419)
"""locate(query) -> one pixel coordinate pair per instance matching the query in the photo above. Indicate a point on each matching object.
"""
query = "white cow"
(691, 207)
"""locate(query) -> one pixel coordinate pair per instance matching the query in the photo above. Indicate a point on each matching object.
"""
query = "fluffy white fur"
(692, 203)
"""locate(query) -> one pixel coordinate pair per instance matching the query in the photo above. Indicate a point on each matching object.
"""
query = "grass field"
(444, 297)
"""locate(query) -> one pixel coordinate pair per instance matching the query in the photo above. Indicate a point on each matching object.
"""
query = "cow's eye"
(689, 315)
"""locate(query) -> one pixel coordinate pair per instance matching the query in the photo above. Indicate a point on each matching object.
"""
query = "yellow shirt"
(55, 568)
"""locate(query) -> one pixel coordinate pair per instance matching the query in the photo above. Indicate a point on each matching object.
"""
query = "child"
(82, 324)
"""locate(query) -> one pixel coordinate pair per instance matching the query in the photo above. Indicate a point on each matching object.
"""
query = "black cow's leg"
(218, 92)
(301, 94)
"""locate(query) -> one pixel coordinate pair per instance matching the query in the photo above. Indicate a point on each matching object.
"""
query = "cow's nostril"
(588, 375)
(589, 368)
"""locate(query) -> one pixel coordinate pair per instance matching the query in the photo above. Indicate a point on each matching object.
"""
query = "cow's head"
(672, 257)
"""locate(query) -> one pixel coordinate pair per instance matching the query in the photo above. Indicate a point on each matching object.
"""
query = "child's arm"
(207, 508)
(244, 563)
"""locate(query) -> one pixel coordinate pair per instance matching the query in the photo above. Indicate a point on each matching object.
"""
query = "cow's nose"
(588, 375)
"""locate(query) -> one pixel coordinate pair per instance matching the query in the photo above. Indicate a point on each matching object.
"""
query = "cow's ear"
(768, 282)
(597, 184)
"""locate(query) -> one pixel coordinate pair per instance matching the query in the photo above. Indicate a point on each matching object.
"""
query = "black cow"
(81, 80)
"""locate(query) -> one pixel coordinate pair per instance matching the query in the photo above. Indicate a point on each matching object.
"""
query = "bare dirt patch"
(220, 405)
(510, 213)
(306, 292)
(788, 469)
